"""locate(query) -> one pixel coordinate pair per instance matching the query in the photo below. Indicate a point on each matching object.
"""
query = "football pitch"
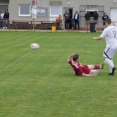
(40, 83)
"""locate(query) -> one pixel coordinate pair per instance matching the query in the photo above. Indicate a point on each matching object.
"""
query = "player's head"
(108, 21)
(75, 57)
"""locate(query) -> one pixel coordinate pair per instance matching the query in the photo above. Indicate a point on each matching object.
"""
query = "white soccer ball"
(34, 46)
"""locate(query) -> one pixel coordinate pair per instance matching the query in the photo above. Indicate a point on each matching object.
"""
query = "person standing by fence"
(87, 18)
(72, 23)
(66, 19)
(104, 19)
(1, 18)
(5, 18)
(77, 18)
(95, 15)
(59, 22)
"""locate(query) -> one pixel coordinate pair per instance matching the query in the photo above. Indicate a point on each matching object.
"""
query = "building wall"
(4, 1)
(4, 4)
(75, 4)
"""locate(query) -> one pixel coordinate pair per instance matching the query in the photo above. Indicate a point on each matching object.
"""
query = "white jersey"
(110, 35)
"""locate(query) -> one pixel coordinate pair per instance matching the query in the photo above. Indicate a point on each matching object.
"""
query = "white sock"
(110, 69)
(109, 62)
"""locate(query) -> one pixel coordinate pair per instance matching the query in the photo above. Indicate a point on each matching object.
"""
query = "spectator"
(95, 15)
(1, 18)
(76, 17)
(87, 17)
(66, 19)
(6, 18)
(104, 19)
(72, 23)
(59, 22)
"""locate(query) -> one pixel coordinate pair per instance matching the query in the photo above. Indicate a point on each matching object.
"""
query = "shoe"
(102, 66)
(113, 71)
(6, 27)
(3, 27)
(110, 74)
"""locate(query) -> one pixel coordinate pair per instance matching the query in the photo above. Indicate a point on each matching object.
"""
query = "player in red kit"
(83, 70)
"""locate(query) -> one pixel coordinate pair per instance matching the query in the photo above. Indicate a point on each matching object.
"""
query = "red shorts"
(85, 69)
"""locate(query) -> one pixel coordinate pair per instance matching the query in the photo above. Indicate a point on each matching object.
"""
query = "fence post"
(87, 27)
(31, 26)
(54, 23)
(41, 25)
(9, 24)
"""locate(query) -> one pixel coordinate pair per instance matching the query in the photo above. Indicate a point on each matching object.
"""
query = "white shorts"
(109, 52)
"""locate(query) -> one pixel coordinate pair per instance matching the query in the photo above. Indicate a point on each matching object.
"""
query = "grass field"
(40, 83)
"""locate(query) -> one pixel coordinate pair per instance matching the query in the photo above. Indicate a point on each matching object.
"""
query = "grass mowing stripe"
(53, 41)
(28, 54)
(15, 62)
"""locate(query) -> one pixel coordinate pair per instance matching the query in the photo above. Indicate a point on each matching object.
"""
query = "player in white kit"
(110, 35)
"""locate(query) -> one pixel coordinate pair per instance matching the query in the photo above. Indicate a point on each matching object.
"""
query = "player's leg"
(95, 67)
(108, 55)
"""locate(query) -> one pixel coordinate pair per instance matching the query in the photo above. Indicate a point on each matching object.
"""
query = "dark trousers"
(1, 23)
(5, 22)
(77, 22)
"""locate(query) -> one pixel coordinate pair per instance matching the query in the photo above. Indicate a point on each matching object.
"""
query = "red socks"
(97, 67)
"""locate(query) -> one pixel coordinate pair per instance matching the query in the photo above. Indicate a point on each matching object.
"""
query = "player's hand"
(94, 38)
(72, 54)
(94, 74)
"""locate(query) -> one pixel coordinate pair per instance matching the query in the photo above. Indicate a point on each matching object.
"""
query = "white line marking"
(15, 61)
(52, 42)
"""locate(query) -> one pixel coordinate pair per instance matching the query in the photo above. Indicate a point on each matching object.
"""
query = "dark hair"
(108, 21)
(75, 57)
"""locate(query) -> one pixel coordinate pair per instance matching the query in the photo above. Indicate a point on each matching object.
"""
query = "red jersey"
(79, 69)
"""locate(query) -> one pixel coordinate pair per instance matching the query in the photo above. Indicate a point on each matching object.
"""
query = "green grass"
(40, 83)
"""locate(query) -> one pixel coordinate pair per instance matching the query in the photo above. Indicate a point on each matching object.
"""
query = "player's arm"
(70, 57)
(97, 38)
(103, 35)
(89, 74)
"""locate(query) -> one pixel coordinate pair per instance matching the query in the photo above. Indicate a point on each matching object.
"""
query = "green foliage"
(40, 83)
